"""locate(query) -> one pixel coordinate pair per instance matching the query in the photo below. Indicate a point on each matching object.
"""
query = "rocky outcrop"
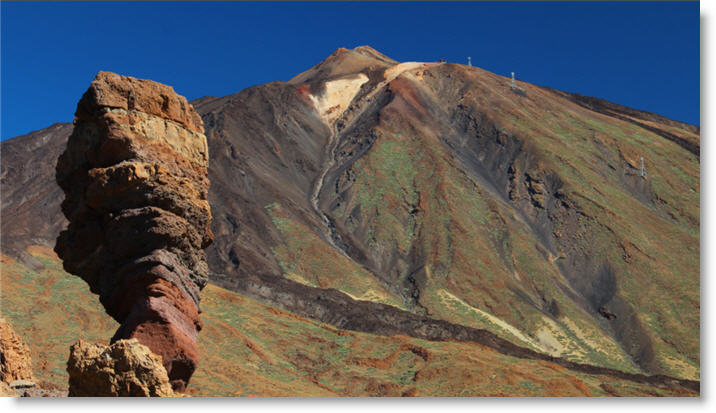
(126, 368)
(135, 179)
(15, 360)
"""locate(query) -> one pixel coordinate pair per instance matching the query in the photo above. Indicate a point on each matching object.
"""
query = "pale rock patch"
(395, 71)
(447, 296)
(546, 337)
(338, 95)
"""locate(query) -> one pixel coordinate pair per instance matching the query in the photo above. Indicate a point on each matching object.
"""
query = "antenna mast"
(643, 173)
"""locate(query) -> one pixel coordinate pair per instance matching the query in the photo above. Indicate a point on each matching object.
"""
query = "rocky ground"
(248, 348)
(16, 368)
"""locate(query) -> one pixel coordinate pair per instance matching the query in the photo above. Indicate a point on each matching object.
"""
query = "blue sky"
(644, 55)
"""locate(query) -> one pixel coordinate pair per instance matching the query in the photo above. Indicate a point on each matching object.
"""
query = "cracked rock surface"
(126, 368)
(135, 179)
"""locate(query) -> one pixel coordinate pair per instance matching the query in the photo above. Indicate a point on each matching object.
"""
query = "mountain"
(436, 201)
(30, 198)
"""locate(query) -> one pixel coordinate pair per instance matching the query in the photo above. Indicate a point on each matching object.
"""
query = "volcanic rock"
(15, 360)
(7, 391)
(22, 384)
(135, 179)
(126, 368)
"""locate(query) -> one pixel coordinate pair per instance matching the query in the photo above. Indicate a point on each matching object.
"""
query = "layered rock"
(15, 360)
(126, 368)
(135, 179)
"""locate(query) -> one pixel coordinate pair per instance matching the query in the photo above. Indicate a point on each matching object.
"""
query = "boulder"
(125, 368)
(22, 384)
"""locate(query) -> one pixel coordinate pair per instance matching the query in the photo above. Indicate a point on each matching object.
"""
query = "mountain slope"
(522, 213)
(30, 198)
(530, 209)
(250, 349)
(383, 197)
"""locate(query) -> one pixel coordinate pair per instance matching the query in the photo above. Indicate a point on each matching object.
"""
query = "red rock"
(135, 179)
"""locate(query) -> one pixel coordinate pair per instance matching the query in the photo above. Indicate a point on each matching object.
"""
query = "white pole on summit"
(469, 61)
(513, 80)
(643, 173)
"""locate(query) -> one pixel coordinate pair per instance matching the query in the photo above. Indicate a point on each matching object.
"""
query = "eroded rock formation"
(15, 360)
(126, 368)
(135, 180)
